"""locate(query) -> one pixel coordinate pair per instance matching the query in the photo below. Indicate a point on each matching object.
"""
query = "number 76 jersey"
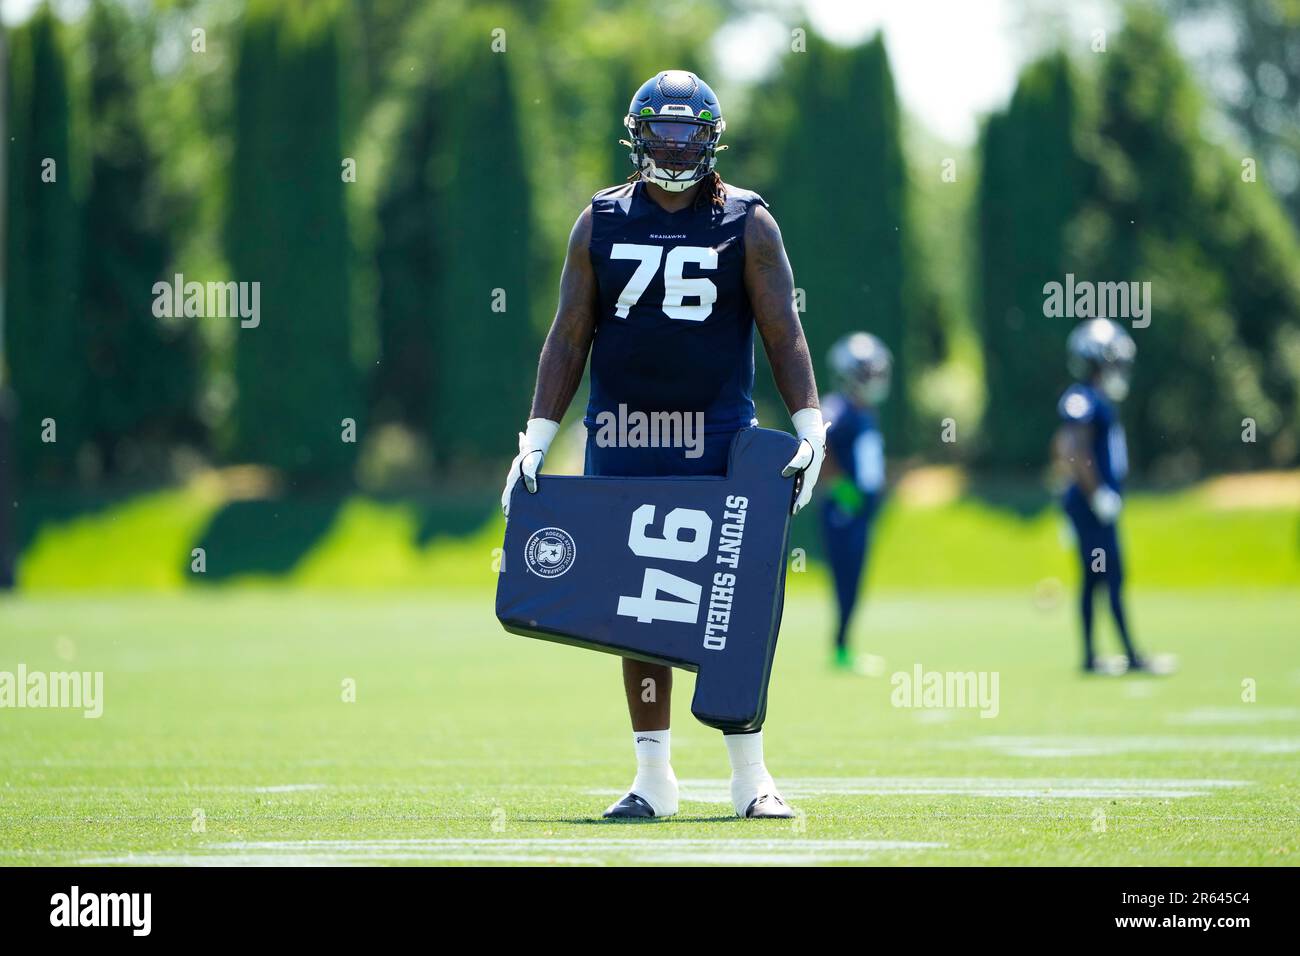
(675, 328)
(688, 572)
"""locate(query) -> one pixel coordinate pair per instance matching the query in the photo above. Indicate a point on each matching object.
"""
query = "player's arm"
(564, 356)
(769, 283)
(1072, 449)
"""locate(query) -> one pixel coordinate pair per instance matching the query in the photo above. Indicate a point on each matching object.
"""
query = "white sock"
(654, 748)
(749, 776)
(655, 781)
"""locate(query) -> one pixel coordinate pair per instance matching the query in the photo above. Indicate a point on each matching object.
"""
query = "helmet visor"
(868, 386)
(674, 144)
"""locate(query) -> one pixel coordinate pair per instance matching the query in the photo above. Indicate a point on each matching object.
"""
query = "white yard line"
(1108, 746)
(1050, 788)
(1240, 714)
(578, 851)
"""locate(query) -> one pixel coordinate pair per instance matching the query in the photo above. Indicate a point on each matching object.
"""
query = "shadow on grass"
(271, 536)
(35, 509)
(457, 517)
(1025, 499)
(266, 536)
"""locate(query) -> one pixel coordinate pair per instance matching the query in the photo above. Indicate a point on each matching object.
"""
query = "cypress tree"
(295, 374)
(44, 332)
(1034, 180)
(838, 191)
(1220, 258)
(406, 262)
(143, 372)
(483, 229)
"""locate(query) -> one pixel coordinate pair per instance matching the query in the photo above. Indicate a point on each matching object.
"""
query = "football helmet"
(675, 123)
(862, 367)
(1100, 349)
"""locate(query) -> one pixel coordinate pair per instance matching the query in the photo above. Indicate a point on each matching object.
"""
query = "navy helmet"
(675, 123)
(862, 367)
(1100, 349)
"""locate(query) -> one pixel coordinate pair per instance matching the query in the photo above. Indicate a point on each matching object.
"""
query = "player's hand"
(807, 461)
(533, 445)
(1106, 504)
(847, 496)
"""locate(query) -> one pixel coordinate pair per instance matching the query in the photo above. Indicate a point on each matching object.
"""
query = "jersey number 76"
(676, 287)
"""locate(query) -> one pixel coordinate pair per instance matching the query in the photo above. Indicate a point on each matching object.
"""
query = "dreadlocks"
(715, 190)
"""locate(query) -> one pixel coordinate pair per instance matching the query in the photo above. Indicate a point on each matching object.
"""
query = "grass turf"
(225, 738)
(1183, 540)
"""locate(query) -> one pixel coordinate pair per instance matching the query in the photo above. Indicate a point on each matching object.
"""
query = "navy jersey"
(1085, 405)
(855, 440)
(675, 328)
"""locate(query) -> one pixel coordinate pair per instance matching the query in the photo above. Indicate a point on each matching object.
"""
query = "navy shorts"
(613, 461)
(1091, 536)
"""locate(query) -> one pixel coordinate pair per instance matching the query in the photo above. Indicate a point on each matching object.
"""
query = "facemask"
(1114, 384)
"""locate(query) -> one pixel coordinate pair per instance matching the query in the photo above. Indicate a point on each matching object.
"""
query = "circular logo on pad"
(550, 552)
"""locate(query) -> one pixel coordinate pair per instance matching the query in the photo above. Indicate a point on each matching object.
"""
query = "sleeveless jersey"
(856, 442)
(675, 328)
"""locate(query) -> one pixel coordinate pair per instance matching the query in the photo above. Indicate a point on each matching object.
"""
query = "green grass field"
(225, 739)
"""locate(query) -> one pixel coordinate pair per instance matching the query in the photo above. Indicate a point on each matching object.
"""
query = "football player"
(665, 280)
(1090, 450)
(855, 469)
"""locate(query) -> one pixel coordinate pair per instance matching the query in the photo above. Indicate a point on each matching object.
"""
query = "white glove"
(807, 461)
(533, 445)
(1106, 504)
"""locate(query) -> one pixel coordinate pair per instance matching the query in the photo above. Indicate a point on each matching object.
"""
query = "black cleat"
(1161, 665)
(630, 807)
(768, 805)
(1106, 666)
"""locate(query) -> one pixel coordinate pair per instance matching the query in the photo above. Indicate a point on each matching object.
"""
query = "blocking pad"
(688, 572)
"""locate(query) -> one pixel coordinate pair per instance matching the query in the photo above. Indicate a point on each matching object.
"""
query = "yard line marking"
(1050, 788)
(1240, 714)
(1109, 746)
(578, 851)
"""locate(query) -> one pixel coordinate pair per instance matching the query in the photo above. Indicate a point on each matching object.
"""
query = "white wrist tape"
(540, 433)
(1106, 504)
(808, 424)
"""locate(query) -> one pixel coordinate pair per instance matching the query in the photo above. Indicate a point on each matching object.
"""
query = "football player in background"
(1090, 450)
(855, 471)
(665, 279)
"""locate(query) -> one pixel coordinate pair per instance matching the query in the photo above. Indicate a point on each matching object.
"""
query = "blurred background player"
(861, 366)
(1090, 450)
